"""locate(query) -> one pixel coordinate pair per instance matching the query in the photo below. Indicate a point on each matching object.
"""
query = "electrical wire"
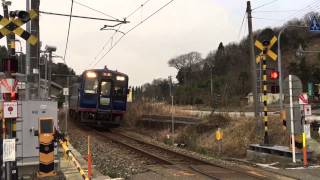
(313, 5)
(134, 27)
(244, 17)
(93, 9)
(83, 17)
(277, 11)
(270, 19)
(266, 4)
(105, 44)
(114, 34)
(141, 6)
(68, 34)
(309, 7)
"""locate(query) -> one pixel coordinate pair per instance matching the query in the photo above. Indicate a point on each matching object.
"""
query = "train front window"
(90, 85)
(119, 91)
(105, 88)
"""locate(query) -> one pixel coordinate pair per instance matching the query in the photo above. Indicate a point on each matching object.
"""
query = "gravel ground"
(109, 158)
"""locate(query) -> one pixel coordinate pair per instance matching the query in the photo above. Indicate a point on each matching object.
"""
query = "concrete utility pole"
(49, 49)
(34, 54)
(253, 64)
(27, 92)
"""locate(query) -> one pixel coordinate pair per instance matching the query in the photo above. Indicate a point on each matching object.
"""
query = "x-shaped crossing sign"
(13, 25)
(270, 53)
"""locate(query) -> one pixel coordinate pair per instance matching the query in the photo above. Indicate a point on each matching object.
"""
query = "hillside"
(229, 66)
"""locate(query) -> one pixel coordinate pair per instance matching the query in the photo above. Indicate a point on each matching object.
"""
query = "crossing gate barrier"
(60, 138)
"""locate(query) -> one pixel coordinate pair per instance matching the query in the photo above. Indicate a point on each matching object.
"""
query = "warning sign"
(9, 150)
(307, 110)
(66, 91)
(10, 109)
(303, 99)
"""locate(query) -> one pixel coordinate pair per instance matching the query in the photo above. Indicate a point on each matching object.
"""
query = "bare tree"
(185, 60)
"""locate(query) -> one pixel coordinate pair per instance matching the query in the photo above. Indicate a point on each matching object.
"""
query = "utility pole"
(211, 87)
(10, 123)
(34, 54)
(172, 116)
(253, 64)
(50, 50)
(66, 97)
(49, 73)
(27, 92)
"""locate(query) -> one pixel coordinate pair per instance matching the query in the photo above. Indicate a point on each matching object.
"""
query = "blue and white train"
(100, 97)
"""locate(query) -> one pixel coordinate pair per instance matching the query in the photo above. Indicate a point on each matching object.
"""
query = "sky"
(143, 53)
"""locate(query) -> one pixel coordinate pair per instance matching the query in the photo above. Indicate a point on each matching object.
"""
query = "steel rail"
(176, 154)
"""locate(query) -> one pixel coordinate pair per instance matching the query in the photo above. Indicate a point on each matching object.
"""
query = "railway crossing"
(31, 116)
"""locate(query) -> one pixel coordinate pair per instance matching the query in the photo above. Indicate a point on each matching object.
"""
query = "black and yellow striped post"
(46, 149)
(266, 51)
(265, 90)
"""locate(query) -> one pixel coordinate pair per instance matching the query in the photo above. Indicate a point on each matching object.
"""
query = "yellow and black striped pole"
(68, 152)
(46, 147)
(265, 89)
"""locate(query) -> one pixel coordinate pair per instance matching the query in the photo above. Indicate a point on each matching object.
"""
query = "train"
(99, 97)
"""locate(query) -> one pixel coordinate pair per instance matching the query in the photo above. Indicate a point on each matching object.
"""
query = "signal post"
(11, 22)
(266, 52)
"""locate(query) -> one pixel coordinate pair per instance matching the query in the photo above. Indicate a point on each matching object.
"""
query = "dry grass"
(238, 132)
(139, 108)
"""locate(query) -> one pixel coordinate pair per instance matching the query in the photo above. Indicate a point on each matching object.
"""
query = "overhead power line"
(240, 30)
(115, 33)
(141, 6)
(105, 44)
(134, 27)
(270, 19)
(84, 17)
(66, 48)
(314, 4)
(93, 9)
(277, 11)
(266, 4)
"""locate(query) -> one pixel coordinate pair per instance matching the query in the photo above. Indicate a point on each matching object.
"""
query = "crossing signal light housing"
(13, 96)
(10, 65)
(23, 15)
(275, 89)
(274, 75)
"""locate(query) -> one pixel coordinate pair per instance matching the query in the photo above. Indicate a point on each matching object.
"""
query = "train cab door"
(105, 94)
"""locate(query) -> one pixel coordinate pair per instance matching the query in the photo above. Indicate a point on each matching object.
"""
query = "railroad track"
(166, 156)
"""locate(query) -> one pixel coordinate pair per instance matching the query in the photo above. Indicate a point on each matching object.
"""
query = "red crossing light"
(274, 75)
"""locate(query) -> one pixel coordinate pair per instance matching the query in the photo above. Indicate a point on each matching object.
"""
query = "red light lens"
(274, 74)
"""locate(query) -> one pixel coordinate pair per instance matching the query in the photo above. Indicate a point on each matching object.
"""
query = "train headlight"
(120, 78)
(107, 74)
(91, 74)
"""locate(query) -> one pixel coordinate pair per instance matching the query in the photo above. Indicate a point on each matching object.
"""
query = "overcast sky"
(181, 27)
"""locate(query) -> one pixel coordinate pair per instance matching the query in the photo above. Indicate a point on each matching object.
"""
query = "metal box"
(29, 113)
